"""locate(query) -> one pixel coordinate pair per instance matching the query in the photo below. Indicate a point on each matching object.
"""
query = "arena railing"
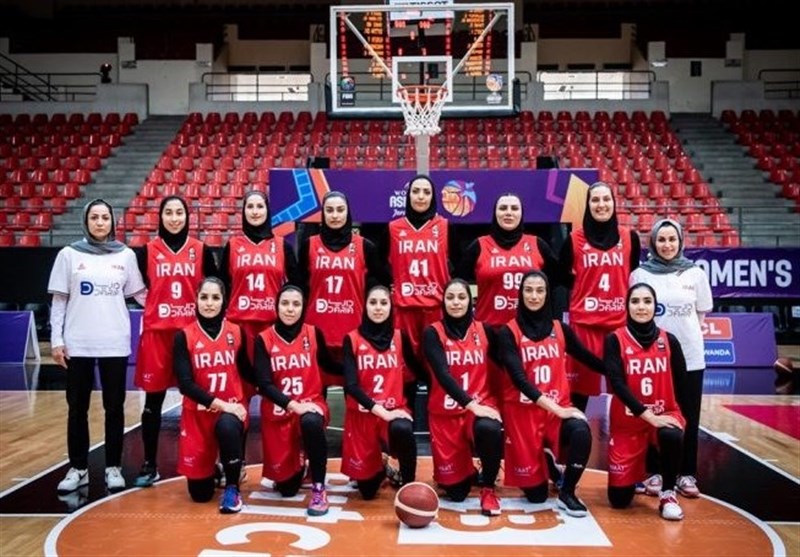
(257, 86)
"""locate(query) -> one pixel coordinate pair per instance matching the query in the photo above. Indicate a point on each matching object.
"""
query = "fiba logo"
(458, 198)
(243, 302)
(86, 288)
(164, 310)
(406, 289)
(661, 309)
(321, 305)
(590, 304)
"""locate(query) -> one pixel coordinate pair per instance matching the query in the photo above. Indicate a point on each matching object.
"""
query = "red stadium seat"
(730, 239)
(6, 238)
(30, 239)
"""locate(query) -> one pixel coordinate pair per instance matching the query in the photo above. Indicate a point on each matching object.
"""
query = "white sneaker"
(653, 485)
(114, 479)
(687, 486)
(669, 507)
(73, 480)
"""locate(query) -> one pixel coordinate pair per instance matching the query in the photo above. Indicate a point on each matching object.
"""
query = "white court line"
(66, 461)
(778, 549)
(725, 438)
(782, 523)
(34, 515)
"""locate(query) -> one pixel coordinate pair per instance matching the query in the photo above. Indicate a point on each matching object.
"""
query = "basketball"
(416, 504)
(784, 365)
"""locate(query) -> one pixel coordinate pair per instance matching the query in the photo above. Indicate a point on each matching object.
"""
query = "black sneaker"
(148, 475)
(571, 504)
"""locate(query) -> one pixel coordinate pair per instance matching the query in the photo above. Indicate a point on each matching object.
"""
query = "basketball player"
(537, 411)
(289, 357)
(597, 260)
(376, 414)
(90, 325)
(210, 360)
(173, 264)
(335, 265)
(647, 371)
(462, 413)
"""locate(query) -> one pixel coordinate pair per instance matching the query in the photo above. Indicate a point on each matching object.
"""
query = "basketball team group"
(508, 381)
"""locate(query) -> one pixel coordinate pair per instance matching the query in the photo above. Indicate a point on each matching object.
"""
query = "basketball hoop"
(422, 108)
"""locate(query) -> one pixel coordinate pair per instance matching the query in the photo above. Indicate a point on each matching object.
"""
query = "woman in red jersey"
(334, 267)
(462, 414)
(597, 260)
(647, 371)
(210, 360)
(172, 264)
(537, 411)
(376, 413)
(289, 357)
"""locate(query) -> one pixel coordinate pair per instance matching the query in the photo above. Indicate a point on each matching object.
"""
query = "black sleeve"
(494, 340)
(182, 364)
(303, 273)
(209, 263)
(243, 363)
(264, 379)
(224, 271)
(564, 276)
(677, 362)
(612, 359)
(636, 250)
(141, 262)
(434, 352)
(324, 358)
(413, 364)
(351, 386)
(577, 350)
(377, 268)
(290, 264)
(550, 266)
(453, 248)
(469, 258)
(512, 363)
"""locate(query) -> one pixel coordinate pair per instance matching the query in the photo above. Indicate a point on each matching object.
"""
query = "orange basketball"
(416, 504)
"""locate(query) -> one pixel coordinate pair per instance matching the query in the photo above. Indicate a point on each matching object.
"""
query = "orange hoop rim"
(421, 93)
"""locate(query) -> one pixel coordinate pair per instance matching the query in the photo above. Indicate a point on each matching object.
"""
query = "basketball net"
(422, 108)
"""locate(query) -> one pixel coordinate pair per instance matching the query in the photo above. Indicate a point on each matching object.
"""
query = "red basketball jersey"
(419, 262)
(213, 362)
(468, 363)
(174, 280)
(380, 373)
(498, 273)
(601, 281)
(336, 288)
(544, 365)
(648, 375)
(257, 272)
(294, 369)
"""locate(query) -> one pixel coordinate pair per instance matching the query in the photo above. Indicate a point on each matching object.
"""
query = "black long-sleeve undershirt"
(612, 358)
(564, 275)
(512, 363)
(264, 375)
(377, 270)
(182, 364)
(209, 263)
(469, 260)
(437, 361)
(290, 267)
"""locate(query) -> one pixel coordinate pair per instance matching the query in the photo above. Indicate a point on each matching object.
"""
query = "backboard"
(467, 48)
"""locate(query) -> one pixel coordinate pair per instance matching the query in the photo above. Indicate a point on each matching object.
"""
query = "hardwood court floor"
(744, 462)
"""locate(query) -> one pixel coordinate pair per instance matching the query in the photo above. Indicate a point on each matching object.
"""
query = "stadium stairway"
(122, 176)
(762, 218)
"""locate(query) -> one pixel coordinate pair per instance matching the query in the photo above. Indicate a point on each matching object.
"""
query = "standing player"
(376, 412)
(209, 358)
(418, 258)
(646, 369)
(537, 411)
(289, 356)
(597, 260)
(90, 325)
(684, 298)
(461, 411)
(334, 268)
(173, 264)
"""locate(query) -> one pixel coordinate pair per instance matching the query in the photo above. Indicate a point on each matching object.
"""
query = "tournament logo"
(459, 198)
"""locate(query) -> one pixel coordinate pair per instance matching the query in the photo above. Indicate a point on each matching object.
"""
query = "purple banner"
(739, 340)
(750, 272)
(463, 196)
(15, 329)
(136, 331)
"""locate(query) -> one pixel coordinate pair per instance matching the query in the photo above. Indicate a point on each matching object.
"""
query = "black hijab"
(644, 333)
(416, 219)
(264, 230)
(379, 335)
(289, 332)
(212, 325)
(339, 238)
(535, 325)
(601, 235)
(506, 239)
(90, 244)
(456, 327)
(174, 241)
